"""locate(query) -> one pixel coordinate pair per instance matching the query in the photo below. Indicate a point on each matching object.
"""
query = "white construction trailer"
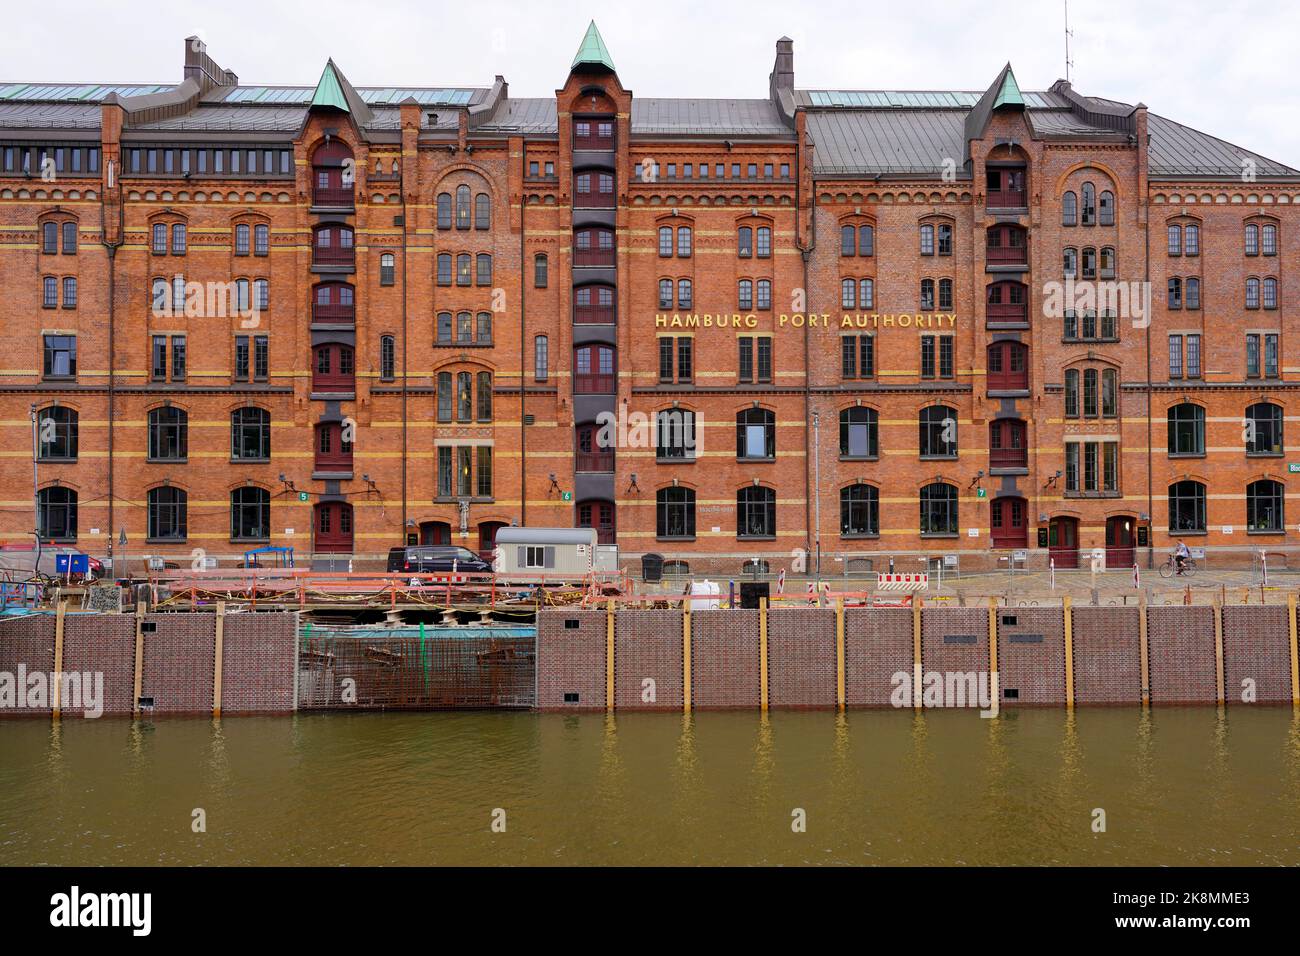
(558, 552)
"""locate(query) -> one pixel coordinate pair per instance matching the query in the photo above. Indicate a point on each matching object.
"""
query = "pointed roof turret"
(1004, 93)
(333, 91)
(593, 52)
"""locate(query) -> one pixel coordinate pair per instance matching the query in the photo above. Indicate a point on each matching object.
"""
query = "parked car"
(436, 559)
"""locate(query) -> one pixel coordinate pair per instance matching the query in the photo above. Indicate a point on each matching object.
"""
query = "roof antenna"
(1068, 34)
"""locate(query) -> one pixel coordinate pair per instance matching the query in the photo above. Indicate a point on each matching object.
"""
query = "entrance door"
(1120, 536)
(598, 515)
(1007, 520)
(435, 533)
(333, 529)
(1063, 542)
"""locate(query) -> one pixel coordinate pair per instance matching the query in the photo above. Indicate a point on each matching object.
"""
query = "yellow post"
(993, 650)
(839, 652)
(1295, 653)
(1067, 614)
(609, 656)
(1143, 656)
(686, 658)
(139, 662)
(216, 659)
(762, 654)
(56, 682)
(916, 652)
(1218, 653)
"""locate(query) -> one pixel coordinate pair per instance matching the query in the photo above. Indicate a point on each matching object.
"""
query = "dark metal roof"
(1178, 150)
(880, 142)
(684, 117)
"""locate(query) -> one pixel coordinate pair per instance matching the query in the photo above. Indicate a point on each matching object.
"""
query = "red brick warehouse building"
(894, 324)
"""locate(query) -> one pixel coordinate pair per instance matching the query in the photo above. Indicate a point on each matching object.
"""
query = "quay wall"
(669, 660)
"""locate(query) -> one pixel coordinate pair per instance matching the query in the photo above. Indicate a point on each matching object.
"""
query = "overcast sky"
(1225, 68)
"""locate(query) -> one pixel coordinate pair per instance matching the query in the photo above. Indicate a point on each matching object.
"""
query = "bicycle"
(1170, 568)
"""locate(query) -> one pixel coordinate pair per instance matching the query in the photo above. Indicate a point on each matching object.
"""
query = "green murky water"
(1178, 786)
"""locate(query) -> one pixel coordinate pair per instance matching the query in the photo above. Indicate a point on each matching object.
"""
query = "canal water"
(1176, 786)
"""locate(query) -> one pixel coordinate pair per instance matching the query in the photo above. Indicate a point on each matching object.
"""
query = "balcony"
(594, 315)
(333, 454)
(1006, 199)
(593, 257)
(1007, 256)
(597, 462)
(1012, 314)
(1008, 458)
(592, 383)
(334, 314)
(333, 197)
(339, 256)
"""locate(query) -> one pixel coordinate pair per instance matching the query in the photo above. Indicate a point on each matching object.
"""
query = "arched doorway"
(1007, 520)
(487, 537)
(333, 527)
(1063, 542)
(1121, 535)
(599, 515)
(435, 533)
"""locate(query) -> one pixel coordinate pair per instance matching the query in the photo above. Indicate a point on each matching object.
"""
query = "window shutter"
(548, 561)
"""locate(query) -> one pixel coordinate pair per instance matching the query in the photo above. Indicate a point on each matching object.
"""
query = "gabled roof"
(593, 52)
(333, 91)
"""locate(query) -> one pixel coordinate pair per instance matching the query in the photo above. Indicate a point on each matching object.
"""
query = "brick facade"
(1182, 654)
(1107, 655)
(774, 175)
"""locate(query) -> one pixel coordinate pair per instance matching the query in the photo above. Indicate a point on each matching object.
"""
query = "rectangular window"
(1175, 356)
(60, 356)
(746, 359)
(685, 359)
(765, 359)
(1252, 356)
(261, 357)
(241, 358)
(483, 478)
(158, 366)
(1193, 356)
(665, 360)
(1270, 356)
(178, 358)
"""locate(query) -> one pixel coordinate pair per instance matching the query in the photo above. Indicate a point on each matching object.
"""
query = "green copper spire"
(329, 91)
(1009, 91)
(593, 51)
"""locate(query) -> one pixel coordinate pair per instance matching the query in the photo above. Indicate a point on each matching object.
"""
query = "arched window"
(1192, 239)
(261, 240)
(665, 242)
(1252, 293)
(675, 513)
(56, 514)
(387, 358)
(242, 234)
(938, 508)
(927, 239)
(1264, 429)
(70, 238)
(444, 210)
(1264, 504)
(745, 294)
(56, 426)
(1186, 506)
(745, 242)
(387, 269)
(1252, 239)
(1070, 259)
(764, 290)
(685, 242)
(859, 510)
(444, 268)
(1175, 298)
(1069, 209)
(1186, 429)
(927, 295)
(484, 397)
(250, 514)
(462, 207)
(1108, 262)
(482, 211)
(848, 293)
(1106, 208)
(763, 242)
(1175, 239)
(665, 293)
(50, 238)
(250, 434)
(1089, 211)
(1269, 288)
(859, 433)
(938, 432)
(168, 434)
(756, 512)
(1088, 267)
(685, 296)
(1267, 240)
(483, 269)
(675, 434)
(756, 434)
(539, 271)
(167, 514)
(866, 294)
(1192, 293)
(541, 358)
(464, 268)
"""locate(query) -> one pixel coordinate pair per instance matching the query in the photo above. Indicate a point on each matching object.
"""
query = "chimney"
(782, 77)
(202, 69)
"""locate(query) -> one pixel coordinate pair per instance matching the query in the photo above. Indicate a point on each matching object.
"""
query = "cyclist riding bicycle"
(1181, 554)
